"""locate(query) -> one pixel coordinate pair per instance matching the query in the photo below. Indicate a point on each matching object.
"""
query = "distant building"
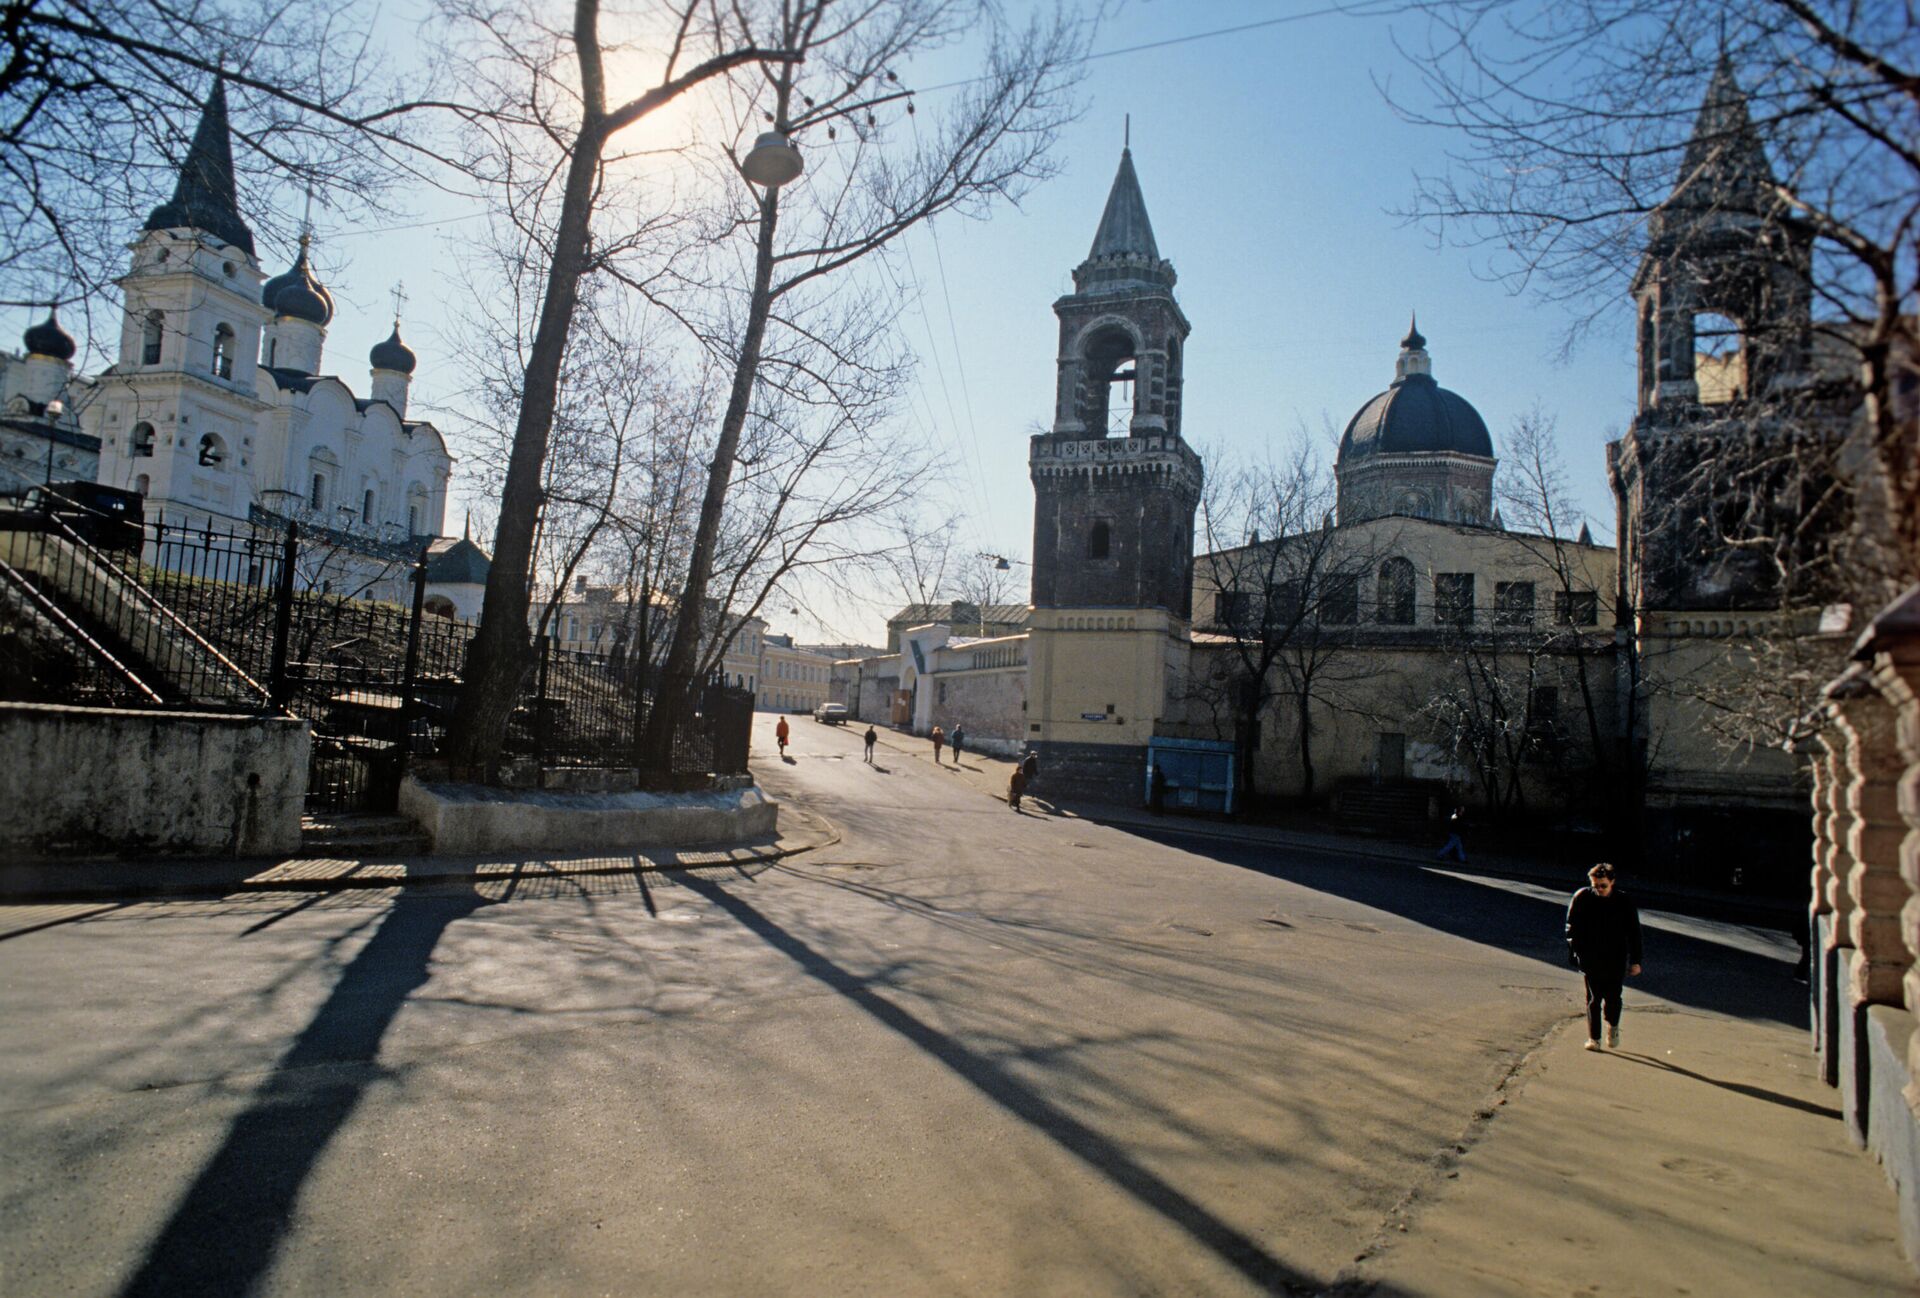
(40, 399)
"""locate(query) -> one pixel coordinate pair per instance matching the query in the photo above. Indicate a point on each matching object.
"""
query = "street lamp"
(773, 161)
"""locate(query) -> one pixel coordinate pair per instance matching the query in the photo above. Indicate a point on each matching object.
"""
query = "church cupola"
(392, 362)
(49, 364)
(1416, 450)
(1413, 354)
(302, 309)
(203, 194)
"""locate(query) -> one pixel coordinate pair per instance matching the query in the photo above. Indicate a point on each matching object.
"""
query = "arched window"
(213, 451)
(143, 484)
(416, 510)
(1107, 391)
(223, 351)
(1099, 541)
(1719, 359)
(151, 332)
(142, 441)
(1393, 595)
(273, 350)
(366, 506)
(317, 494)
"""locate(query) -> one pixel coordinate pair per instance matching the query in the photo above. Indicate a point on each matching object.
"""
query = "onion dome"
(48, 339)
(1415, 415)
(393, 354)
(297, 293)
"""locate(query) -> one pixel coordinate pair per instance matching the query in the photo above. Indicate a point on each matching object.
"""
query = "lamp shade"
(773, 161)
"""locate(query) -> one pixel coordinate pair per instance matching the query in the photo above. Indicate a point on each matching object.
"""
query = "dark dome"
(297, 293)
(1416, 414)
(48, 339)
(393, 354)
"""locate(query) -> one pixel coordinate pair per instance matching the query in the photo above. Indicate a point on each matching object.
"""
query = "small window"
(1453, 598)
(223, 351)
(1513, 603)
(143, 484)
(317, 495)
(151, 333)
(366, 506)
(1576, 607)
(1394, 593)
(213, 452)
(141, 444)
(1543, 712)
(1100, 541)
(1283, 603)
(1719, 360)
(273, 350)
(413, 520)
(1340, 600)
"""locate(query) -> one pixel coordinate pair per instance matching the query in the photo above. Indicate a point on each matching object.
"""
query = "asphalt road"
(962, 1051)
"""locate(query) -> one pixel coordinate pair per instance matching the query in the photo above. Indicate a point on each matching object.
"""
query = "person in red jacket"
(780, 733)
(1603, 937)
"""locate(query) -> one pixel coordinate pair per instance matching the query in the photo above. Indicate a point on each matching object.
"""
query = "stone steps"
(361, 836)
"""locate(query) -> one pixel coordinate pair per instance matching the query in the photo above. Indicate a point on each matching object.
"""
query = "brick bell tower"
(1115, 488)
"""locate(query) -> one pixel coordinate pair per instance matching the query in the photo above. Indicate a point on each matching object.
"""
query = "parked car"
(832, 714)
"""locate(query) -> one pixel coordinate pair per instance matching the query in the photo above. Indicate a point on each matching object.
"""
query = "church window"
(1340, 599)
(142, 441)
(273, 350)
(1173, 386)
(366, 506)
(317, 495)
(151, 332)
(223, 351)
(1394, 593)
(1719, 359)
(1414, 504)
(1108, 382)
(1513, 603)
(1100, 540)
(1576, 607)
(1453, 598)
(213, 451)
(143, 484)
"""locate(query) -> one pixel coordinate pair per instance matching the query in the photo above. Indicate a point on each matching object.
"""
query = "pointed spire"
(1413, 357)
(1499, 523)
(1125, 230)
(1586, 534)
(1724, 165)
(203, 193)
(1414, 341)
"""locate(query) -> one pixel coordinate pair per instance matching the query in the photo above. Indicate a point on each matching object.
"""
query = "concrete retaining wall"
(112, 781)
(470, 820)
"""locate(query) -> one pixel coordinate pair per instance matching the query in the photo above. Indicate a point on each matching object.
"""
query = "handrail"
(165, 614)
(58, 616)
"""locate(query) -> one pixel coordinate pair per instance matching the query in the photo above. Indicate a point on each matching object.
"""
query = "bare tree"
(1580, 129)
(1286, 615)
(863, 194)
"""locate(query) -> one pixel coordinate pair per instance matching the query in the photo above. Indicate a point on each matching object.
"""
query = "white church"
(219, 410)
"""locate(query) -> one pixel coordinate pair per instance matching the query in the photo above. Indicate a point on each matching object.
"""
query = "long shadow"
(1738, 1088)
(1233, 1246)
(226, 1228)
(1680, 968)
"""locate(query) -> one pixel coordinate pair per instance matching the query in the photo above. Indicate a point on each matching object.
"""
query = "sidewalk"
(990, 774)
(800, 831)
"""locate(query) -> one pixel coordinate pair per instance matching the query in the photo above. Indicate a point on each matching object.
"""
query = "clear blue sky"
(1269, 162)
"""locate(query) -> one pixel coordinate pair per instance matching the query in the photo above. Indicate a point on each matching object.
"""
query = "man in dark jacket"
(1603, 937)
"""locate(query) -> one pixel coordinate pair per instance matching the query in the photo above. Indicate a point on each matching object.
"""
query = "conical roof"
(1724, 165)
(203, 193)
(1124, 229)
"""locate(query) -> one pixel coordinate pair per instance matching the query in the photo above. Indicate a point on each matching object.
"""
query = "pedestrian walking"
(872, 739)
(1453, 846)
(1016, 786)
(939, 742)
(1603, 938)
(1030, 769)
(959, 738)
(780, 733)
(1157, 790)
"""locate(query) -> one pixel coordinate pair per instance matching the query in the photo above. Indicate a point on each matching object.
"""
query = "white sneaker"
(1613, 1036)
(1593, 1043)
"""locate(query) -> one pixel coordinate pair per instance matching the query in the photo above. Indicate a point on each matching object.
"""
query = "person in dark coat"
(1016, 787)
(1030, 768)
(872, 738)
(1603, 937)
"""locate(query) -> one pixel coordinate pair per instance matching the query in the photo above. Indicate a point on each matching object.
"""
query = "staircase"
(356, 837)
(1399, 804)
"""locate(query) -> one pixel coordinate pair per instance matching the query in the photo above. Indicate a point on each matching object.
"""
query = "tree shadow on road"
(1680, 968)
(225, 1230)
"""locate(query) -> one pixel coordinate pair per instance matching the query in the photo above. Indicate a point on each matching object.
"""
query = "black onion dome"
(1415, 340)
(48, 339)
(393, 354)
(297, 293)
(1416, 414)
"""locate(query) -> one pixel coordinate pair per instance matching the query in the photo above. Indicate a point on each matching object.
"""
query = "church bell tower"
(1115, 488)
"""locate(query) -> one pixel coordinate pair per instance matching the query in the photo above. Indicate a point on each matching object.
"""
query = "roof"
(203, 193)
(293, 380)
(921, 614)
(1124, 228)
(1413, 416)
(455, 563)
(60, 436)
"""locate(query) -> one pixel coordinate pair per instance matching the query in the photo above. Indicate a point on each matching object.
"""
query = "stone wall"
(81, 781)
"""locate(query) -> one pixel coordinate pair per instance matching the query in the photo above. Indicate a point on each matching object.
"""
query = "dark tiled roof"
(458, 562)
(62, 436)
(921, 614)
(203, 194)
(291, 380)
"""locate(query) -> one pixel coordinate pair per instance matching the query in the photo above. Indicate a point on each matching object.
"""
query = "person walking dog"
(1603, 937)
